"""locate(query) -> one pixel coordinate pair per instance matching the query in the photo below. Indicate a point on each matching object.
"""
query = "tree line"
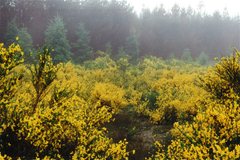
(77, 28)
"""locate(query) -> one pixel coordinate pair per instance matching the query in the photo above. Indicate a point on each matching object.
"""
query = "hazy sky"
(209, 6)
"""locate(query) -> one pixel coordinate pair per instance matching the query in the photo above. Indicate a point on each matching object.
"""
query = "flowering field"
(61, 111)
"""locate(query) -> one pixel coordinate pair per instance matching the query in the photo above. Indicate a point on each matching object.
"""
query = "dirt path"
(139, 132)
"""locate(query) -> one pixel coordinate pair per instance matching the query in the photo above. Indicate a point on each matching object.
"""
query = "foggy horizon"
(206, 7)
(160, 31)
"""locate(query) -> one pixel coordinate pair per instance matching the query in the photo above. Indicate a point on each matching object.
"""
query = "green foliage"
(226, 77)
(43, 74)
(108, 48)
(9, 58)
(83, 49)
(102, 62)
(22, 37)
(56, 39)
(61, 111)
(151, 98)
(160, 31)
(12, 32)
(121, 53)
(25, 41)
(172, 55)
(203, 59)
(214, 131)
(42, 117)
(186, 55)
(132, 47)
(123, 63)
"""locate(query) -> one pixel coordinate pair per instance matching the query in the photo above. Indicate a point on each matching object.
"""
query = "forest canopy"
(113, 24)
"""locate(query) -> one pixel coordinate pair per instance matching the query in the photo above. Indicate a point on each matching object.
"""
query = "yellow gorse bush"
(167, 91)
(109, 95)
(9, 58)
(4, 157)
(43, 116)
(214, 132)
(179, 96)
(60, 111)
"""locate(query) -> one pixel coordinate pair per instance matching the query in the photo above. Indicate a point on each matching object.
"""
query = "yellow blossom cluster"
(45, 116)
(166, 91)
(9, 58)
(215, 131)
(60, 111)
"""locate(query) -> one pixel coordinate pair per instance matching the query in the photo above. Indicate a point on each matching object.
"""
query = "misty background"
(113, 26)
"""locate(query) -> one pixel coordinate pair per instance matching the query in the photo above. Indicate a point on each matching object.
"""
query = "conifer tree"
(55, 37)
(20, 36)
(132, 46)
(203, 58)
(26, 43)
(83, 49)
(12, 32)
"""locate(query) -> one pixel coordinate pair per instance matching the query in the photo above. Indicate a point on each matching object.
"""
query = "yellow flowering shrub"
(214, 134)
(167, 91)
(224, 78)
(87, 79)
(109, 95)
(4, 157)
(178, 96)
(102, 62)
(9, 58)
(61, 111)
(215, 131)
(47, 118)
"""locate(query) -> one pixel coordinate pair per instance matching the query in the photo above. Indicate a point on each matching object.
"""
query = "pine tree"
(121, 53)
(55, 37)
(83, 49)
(132, 47)
(203, 58)
(12, 32)
(24, 39)
(26, 43)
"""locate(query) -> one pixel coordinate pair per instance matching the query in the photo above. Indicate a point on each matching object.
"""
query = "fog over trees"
(114, 23)
(93, 79)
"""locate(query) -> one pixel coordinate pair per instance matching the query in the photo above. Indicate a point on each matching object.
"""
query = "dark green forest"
(78, 28)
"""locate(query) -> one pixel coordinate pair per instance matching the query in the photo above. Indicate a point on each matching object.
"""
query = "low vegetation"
(62, 111)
